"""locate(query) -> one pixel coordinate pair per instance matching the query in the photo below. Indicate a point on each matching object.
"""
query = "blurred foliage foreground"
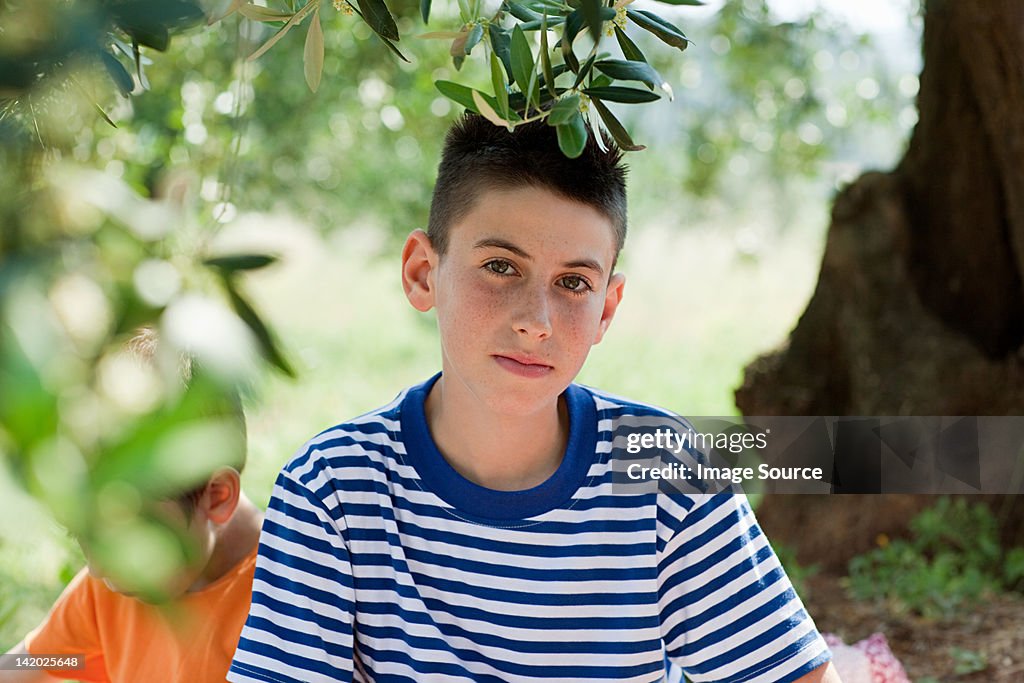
(95, 433)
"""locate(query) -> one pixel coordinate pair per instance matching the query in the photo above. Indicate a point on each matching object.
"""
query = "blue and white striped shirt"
(379, 562)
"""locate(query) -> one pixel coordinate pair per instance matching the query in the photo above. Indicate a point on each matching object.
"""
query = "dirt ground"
(927, 648)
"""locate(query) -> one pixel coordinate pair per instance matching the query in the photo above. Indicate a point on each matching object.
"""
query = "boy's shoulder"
(625, 412)
(364, 440)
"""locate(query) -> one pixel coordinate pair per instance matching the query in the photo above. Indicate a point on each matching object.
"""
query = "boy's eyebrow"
(508, 246)
(502, 244)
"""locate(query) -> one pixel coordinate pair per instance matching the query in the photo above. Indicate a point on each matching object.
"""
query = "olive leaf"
(617, 130)
(313, 54)
(572, 136)
(629, 49)
(627, 70)
(122, 79)
(263, 336)
(235, 262)
(378, 17)
(475, 34)
(563, 110)
(457, 93)
(615, 93)
(500, 86)
(668, 33)
(523, 66)
(486, 110)
(293, 21)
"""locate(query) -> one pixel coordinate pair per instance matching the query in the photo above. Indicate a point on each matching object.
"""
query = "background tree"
(919, 306)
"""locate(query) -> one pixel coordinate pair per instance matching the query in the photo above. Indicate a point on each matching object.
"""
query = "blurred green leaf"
(378, 17)
(625, 70)
(265, 14)
(584, 71)
(251, 318)
(667, 32)
(486, 110)
(692, 3)
(500, 87)
(150, 22)
(425, 10)
(628, 47)
(523, 67)
(457, 93)
(572, 136)
(563, 110)
(522, 13)
(473, 38)
(545, 57)
(293, 21)
(538, 23)
(28, 411)
(501, 43)
(594, 17)
(617, 130)
(616, 93)
(122, 79)
(394, 49)
(313, 54)
(235, 262)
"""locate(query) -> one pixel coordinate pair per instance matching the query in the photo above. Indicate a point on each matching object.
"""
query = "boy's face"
(523, 292)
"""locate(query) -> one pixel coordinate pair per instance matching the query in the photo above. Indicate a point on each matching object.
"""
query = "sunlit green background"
(777, 104)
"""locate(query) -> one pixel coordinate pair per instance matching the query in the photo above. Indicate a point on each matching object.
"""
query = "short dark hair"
(480, 156)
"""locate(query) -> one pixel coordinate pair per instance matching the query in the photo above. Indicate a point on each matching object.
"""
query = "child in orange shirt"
(192, 637)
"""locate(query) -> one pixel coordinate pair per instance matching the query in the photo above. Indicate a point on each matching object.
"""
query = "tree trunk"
(919, 306)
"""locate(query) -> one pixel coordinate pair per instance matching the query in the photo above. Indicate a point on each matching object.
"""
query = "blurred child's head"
(479, 156)
(192, 507)
(218, 402)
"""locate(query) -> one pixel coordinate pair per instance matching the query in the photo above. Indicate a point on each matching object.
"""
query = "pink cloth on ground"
(867, 661)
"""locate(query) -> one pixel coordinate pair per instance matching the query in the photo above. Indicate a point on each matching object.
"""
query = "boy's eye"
(574, 283)
(500, 267)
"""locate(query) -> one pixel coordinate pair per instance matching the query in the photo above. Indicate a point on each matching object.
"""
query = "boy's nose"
(534, 317)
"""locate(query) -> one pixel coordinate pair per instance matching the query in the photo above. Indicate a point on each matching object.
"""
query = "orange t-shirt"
(190, 640)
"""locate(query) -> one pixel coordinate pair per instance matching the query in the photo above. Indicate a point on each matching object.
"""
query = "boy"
(191, 638)
(469, 531)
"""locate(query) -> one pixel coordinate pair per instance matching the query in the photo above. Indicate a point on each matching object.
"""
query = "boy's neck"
(233, 543)
(498, 452)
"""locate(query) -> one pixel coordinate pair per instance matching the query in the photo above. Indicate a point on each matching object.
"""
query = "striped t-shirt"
(379, 562)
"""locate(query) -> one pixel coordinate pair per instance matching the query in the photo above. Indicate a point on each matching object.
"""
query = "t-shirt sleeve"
(300, 623)
(71, 628)
(729, 613)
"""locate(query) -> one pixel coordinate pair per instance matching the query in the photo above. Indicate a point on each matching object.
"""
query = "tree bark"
(962, 178)
(919, 306)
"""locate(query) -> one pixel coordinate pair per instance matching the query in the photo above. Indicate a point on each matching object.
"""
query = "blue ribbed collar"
(475, 500)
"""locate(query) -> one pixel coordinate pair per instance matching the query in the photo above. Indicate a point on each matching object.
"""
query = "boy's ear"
(612, 299)
(221, 495)
(418, 262)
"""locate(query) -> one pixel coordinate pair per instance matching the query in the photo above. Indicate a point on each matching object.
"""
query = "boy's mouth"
(524, 366)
